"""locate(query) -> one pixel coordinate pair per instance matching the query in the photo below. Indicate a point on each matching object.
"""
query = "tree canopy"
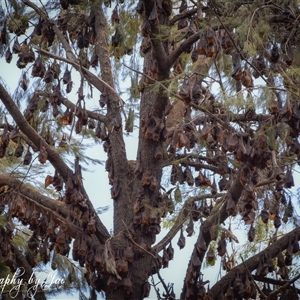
(211, 90)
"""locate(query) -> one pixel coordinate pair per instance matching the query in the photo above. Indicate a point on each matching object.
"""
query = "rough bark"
(117, 145)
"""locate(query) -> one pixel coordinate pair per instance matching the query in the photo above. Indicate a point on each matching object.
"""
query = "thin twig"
(292, 32)
(251, 20)
(219, 75)
(162, 281)
(154, 286)
(235, 45)
(150, 78)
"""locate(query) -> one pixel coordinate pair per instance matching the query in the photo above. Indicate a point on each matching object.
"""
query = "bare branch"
(273, 281)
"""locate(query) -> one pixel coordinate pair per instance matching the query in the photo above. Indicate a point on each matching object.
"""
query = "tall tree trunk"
(127, 178)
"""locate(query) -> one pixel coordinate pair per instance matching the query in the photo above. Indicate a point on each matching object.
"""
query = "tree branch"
(53, 156)
(58, 209)
(218, 215)
(157, 45)
(163, 61)
(69, 104)
(181, 218)
(55, 159)
(117, 145)
(282, 288)
(263, 296)
(183, 46)
(91, 78)
(183, 15)
(273, 281)
(252, 263)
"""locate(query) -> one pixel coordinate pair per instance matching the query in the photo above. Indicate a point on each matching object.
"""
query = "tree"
(218, 114)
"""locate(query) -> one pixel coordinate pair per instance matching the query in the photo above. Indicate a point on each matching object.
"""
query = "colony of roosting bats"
(251, 149)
